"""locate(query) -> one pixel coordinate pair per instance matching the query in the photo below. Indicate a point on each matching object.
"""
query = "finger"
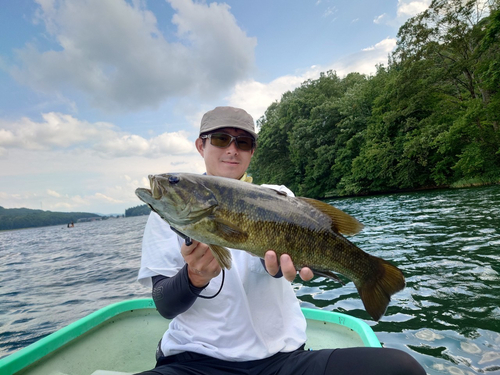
(202, 257)
(306, 274)
(187, 250)
(271, 262)
(215, 267)
(202, 271)
(201, 252)
(287, 267)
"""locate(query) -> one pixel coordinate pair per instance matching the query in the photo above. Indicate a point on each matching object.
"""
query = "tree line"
(430, 118)
(17, 218)
(138, 210)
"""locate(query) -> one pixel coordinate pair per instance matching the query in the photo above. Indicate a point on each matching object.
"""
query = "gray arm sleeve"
(174, 295)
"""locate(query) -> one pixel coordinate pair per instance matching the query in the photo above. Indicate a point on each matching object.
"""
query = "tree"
(456, 40)
(429, 119)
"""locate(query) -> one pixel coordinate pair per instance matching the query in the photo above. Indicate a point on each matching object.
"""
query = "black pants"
(348, 361)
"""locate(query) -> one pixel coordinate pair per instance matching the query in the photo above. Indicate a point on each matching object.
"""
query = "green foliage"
(16, 218)
(428, 119)
(138, 210)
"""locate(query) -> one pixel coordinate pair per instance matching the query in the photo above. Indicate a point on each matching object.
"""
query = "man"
(245, 320)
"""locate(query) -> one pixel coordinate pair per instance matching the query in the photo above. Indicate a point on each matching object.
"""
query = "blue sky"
(98, 94)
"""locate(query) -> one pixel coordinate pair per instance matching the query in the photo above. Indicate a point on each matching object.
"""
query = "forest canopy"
(430, 118)
(137, 211)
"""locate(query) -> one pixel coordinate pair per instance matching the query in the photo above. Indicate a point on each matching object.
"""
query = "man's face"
(228, 162)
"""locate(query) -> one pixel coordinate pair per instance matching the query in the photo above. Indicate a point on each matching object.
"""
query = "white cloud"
(410, 8)
(384, 46)
(63, 180)
(380, 19)
(115, 54)
(222, 52)
(53, 193)
(4, 154)
(330, 11)
(105, 198)
(62, 131)
(405, 10)
(255, 96)
(57, 131)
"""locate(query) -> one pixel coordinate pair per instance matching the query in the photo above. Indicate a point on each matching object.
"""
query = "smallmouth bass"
(224, 212)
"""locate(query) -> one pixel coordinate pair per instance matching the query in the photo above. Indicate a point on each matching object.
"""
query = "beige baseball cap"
(227, 117)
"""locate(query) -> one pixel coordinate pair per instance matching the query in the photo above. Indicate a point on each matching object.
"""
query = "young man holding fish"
(245, 320)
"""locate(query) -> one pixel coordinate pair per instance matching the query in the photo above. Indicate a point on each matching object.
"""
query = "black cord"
(188, 243)
(221, 285)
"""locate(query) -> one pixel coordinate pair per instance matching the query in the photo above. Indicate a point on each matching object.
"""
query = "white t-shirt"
(253, 317)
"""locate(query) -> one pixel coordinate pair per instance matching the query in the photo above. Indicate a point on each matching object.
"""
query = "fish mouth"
(149, 196)
(144, 194)
(156, 189)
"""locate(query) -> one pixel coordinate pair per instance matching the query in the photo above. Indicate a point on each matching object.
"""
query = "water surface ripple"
(446, 243)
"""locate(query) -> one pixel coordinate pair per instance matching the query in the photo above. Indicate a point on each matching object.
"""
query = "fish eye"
(173, 179)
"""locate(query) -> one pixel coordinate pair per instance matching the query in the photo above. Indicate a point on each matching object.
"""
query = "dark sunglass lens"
(245, 143)
(220, 140)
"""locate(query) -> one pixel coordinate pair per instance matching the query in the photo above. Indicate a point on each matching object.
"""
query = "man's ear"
(199, 146)
(253, 150)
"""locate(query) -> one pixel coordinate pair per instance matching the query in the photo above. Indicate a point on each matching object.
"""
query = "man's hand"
(287, 267)
(202, 266)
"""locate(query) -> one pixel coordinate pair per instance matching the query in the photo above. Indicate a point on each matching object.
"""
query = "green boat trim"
(357, 325)
(29, 355)
(32, 353)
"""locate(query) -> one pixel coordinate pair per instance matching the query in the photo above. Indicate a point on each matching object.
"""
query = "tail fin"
(376, 291)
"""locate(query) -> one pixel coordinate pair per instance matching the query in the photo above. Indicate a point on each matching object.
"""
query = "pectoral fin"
(229, 231)
(222, 255)
(341, 222)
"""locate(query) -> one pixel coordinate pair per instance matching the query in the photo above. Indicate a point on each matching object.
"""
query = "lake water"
(446, 242)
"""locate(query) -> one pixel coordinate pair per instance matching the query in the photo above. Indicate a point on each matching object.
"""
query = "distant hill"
(138, 211)
(17, 218)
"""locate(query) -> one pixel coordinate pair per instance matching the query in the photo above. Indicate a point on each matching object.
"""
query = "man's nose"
(232, 147)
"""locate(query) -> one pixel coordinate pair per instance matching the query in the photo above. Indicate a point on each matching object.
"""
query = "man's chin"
(231, 173)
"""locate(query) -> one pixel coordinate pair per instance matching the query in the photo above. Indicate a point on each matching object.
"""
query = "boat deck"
(125, 342)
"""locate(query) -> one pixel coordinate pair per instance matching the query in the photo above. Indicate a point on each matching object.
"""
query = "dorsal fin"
(341, 222)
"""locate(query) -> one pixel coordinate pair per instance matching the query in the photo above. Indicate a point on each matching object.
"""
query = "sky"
(95, 95)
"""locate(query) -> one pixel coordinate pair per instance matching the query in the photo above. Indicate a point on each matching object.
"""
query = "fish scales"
(289, 226)
(227, 213)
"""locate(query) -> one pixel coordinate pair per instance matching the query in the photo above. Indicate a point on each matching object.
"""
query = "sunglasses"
(223, 140)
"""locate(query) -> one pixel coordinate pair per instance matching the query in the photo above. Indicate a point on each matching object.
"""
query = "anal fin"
(328, 275)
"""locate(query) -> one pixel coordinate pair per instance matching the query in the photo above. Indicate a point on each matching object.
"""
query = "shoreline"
(457, 185)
